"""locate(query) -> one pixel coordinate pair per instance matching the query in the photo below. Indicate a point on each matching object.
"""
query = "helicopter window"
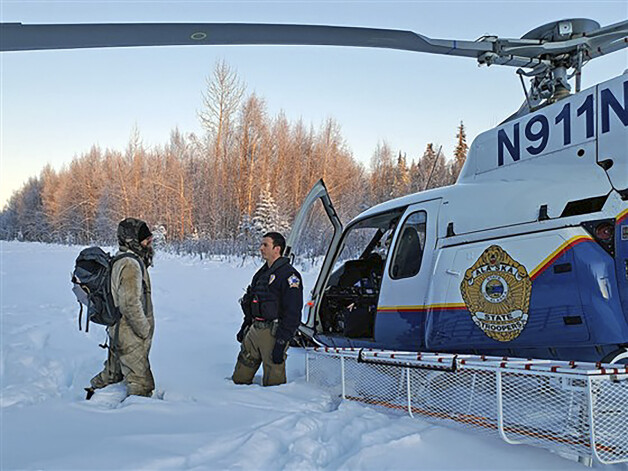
(351, 293)
(368, 237)
(409, 251)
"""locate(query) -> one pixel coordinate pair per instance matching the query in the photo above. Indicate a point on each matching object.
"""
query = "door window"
(408, 254)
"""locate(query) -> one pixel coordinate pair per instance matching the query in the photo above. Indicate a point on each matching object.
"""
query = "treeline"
(215, 193)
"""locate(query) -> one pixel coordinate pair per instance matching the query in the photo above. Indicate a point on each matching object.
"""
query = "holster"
(245, 303)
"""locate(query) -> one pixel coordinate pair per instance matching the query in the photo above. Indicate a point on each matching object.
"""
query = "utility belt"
(261, 323)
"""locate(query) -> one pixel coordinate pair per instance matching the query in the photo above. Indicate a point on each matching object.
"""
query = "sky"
(204, 421)
(56, 104)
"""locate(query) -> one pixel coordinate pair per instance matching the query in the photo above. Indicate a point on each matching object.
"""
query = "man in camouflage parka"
(130, 339)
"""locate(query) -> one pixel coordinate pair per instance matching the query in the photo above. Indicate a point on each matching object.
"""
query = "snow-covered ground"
(204, 421)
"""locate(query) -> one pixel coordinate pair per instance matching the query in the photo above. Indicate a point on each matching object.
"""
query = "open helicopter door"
(402, 307)
(315, 229)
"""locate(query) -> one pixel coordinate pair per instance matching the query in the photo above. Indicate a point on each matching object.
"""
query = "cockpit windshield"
(352, 290)
(367, 237)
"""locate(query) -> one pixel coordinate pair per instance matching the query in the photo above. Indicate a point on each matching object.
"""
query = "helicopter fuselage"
(526, 255)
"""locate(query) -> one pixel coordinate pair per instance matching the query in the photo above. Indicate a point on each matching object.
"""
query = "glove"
(241, 333)
(279, 351)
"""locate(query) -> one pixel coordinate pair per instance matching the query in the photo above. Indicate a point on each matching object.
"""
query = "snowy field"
(204, 421)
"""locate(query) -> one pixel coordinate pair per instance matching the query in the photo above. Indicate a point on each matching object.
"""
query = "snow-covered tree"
(266, 217)
(247, 234)
(460, 151)
(401, 181)
(382, 173)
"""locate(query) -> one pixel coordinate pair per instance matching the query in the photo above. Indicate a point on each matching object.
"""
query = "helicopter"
(525, 255)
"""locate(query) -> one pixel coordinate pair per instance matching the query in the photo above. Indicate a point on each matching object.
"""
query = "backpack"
(92, 285)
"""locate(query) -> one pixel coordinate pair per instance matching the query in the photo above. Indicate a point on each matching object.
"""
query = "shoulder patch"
(293, 281)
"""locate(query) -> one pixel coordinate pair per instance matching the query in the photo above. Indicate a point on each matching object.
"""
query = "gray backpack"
(92, 285)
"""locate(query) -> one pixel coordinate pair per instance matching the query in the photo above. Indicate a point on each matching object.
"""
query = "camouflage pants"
(128, 361)
(256, 350)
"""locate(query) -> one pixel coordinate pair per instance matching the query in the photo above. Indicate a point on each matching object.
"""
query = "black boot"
(90, 393)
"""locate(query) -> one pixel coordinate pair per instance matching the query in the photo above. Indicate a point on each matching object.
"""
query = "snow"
(203, 420)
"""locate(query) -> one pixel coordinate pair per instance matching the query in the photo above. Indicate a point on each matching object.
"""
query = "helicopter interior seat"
(407, 260)
(351, 301)
(358, 271)
(351, 273)
(375, 263)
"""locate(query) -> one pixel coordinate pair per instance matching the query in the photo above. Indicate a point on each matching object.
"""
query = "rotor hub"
(562, 30)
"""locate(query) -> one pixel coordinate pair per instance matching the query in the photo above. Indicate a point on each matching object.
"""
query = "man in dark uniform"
(272, 313)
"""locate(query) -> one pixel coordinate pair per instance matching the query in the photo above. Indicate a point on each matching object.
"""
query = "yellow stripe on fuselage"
(429, 307)
(556, 253)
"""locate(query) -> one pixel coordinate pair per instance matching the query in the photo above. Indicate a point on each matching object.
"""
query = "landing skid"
(576, 409)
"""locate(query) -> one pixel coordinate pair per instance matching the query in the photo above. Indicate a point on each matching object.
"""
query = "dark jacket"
(275, 293)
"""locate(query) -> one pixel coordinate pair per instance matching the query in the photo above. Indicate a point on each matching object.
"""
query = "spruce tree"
(401, 183)
(266, 217)
(460, 151)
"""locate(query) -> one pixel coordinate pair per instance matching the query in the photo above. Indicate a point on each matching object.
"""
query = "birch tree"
(221, 101)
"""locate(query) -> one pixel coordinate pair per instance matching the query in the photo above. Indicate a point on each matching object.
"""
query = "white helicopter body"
(532, 194)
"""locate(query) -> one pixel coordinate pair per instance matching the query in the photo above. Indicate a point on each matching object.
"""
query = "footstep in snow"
(109, 397)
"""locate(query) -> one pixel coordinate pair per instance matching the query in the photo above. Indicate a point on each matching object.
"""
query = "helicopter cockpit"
(351, 293)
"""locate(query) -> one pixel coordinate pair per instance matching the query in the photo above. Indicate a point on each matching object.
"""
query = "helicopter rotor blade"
(622, 26)
(607, 43)
(609, 47)
(21, 37)
(532, 50)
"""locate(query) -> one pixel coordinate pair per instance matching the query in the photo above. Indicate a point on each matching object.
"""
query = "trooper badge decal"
(496, 289)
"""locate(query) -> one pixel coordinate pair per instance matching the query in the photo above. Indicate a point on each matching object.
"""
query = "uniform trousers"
(257, 347)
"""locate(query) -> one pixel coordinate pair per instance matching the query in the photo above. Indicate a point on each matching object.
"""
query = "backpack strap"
(113, 341)
(80, 314)
(86, 317)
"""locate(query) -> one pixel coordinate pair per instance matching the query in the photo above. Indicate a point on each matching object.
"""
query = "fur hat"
(132, 230)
